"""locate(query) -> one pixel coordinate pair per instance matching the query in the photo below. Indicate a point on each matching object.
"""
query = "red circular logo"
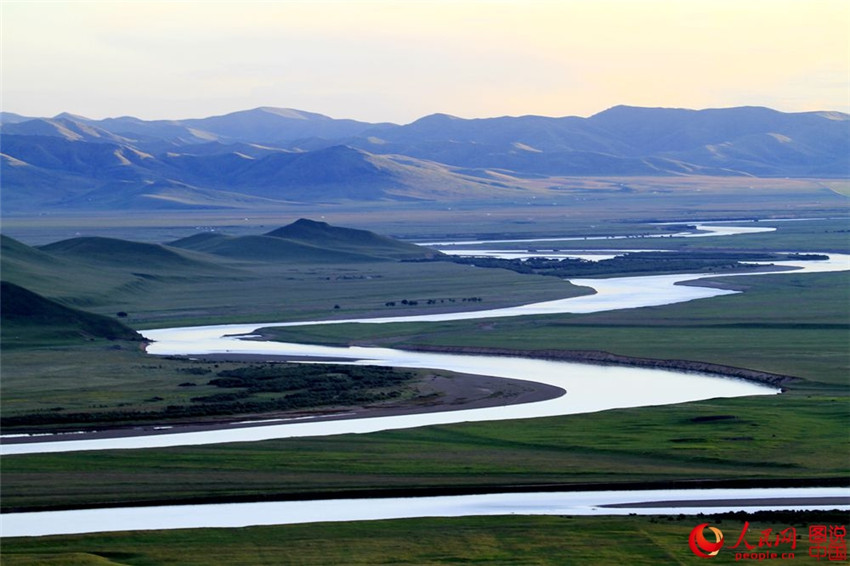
(701, 546)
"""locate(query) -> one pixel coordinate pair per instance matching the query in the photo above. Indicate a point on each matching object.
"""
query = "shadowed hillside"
(123, 253)
(46, 273)
(266, 249)
(27, 314)
(90, 272)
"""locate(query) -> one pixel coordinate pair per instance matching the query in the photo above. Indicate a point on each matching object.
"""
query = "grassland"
(791, 440)
(789, 324)
(799, 435)
(469, 540)
(60, 368)
(196, 289)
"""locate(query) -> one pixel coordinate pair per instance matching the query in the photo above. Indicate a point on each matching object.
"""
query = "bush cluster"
(256, 388)
(637, 262)
(409, 302)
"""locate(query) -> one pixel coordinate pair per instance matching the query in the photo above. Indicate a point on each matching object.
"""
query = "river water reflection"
(233, 515)
(589, 387)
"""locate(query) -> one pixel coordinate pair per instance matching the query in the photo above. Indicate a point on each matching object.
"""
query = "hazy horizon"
(309, 111)
(382, 61)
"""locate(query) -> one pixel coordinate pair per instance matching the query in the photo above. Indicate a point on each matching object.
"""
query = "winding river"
(233, 515)
(584, 383)
(589, 388)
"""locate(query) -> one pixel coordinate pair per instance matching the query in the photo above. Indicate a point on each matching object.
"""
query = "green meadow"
(776, 439)
(542, 540)
(187, 288)
(786, 323)
(789, 324)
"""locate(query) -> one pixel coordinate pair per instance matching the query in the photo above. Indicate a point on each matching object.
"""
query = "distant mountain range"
(271, 156)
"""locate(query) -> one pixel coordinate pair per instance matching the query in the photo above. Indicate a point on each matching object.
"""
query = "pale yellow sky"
(399, 60)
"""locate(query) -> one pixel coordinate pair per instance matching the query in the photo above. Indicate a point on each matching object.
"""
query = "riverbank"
(658, 501)
(463, 490)
(435, 393)
(607, 358)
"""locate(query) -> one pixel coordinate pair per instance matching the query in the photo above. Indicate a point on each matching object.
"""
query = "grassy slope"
(28, 317)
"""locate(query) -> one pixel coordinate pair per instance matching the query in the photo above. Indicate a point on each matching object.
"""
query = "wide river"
(232, 515)
(588, 388)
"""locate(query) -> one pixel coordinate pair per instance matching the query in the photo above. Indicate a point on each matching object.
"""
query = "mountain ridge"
(284, 155)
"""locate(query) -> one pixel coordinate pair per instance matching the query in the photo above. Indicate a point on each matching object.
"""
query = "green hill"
(124, 253)
(305, 241)
(29, 317)
(206, 274)
(268, 249)
(53, 275)
(322, 234)
(16, 254)
(97, 274)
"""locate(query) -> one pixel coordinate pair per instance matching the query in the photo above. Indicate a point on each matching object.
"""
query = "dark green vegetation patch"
(634, 262)
(252, 389)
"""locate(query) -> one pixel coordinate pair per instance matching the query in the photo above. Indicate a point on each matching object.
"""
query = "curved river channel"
(588, 388)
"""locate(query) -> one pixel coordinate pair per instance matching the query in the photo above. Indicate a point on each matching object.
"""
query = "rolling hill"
(125, 254)
(52, 275)
(266, 248)
(322, 234)
(25, 315)
(108, 275)
(271, 156)
(89, 272)
(305, 241)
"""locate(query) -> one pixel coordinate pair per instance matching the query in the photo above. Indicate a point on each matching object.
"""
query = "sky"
(396, 61)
